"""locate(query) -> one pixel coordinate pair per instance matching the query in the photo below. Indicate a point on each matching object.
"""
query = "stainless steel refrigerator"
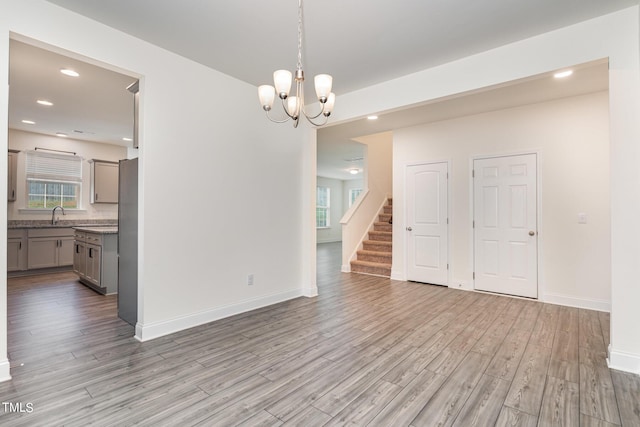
(128, 241)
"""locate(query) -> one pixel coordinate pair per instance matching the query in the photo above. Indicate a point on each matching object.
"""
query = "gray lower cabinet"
(16, 250)
(50, 247)
(95, 260)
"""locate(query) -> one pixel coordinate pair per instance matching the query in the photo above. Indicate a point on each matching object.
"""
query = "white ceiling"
(359, 42)
(95, 106)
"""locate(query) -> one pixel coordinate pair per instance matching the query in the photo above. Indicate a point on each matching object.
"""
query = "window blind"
(53, 167)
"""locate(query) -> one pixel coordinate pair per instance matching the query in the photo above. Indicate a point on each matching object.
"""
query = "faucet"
(53, 214)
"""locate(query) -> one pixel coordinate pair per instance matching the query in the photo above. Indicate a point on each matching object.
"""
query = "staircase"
(375, 256)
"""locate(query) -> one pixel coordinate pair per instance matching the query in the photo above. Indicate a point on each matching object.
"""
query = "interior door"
(505, 225)
(427, 223)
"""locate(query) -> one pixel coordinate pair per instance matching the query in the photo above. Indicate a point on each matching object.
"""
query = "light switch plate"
(582, 218)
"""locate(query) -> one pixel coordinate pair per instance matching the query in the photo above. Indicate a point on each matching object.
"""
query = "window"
(353, 195)
(322, 207)
(53, 179)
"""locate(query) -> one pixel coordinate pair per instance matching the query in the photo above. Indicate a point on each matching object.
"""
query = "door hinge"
(473, 173)
(447, 266)
(447, 221)
(473, 223)
(474, 275)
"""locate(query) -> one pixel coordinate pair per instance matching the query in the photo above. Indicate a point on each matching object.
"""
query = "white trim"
(569, 301)
(622, 361)
(149, 331)
(5, 371)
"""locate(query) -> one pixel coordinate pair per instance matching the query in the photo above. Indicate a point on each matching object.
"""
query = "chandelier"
(294, 106)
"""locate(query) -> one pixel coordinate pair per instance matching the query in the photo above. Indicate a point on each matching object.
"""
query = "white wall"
(615, 36)
(571, 137)
(26, 141)
(333, 233)
(224, 166)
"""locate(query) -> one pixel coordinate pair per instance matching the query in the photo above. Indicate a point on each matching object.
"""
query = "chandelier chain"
(299, 66)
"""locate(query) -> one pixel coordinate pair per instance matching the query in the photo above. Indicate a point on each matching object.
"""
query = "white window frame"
(353, 195)
(327, 208)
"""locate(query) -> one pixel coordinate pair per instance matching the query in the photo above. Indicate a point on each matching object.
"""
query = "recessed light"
(563, 74)
(353, 171)
(69, 72)
(124, 138)
(372, 118)
(61, 134)
(28, 122)
(44, 102)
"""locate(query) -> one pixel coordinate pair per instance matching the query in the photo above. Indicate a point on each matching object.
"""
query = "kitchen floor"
(367, 351)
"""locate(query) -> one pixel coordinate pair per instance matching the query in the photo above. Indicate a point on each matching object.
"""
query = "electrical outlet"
(250, 279)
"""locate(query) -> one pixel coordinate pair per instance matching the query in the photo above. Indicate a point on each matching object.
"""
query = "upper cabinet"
(104, 181)
(12, 167)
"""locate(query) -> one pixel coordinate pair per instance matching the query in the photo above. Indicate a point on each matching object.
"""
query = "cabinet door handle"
(20, 246)
(90, 253)
(96, 197)
(13, 194)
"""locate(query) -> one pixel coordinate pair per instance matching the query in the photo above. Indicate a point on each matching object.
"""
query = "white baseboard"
(5, 371)
(310, 292)
(622, 361)
(346, 268)
(149, 331)
(397, 275)
(590, 304)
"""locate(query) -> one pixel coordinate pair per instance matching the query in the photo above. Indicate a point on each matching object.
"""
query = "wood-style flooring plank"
(483, 406)
(560, 403)
(528, 384)
(445, 405)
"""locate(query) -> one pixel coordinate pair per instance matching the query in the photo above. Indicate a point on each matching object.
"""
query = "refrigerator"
(128, 241)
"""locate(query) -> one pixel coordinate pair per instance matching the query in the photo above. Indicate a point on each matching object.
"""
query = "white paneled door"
(505, 225)
(427, 222)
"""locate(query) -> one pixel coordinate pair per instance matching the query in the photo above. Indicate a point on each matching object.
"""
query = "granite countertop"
(62, 223)
(98, 230)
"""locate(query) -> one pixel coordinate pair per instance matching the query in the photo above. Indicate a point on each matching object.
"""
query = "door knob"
(409, 229)
(532, 233)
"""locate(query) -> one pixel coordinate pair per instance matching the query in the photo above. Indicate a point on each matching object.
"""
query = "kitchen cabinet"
(49, 247)
(104, 181)
(16, 250)
(95, 258)
(12, 168)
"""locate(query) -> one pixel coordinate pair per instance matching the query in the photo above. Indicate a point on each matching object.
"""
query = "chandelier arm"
(286, 119)
(326, 118)
(304, 111)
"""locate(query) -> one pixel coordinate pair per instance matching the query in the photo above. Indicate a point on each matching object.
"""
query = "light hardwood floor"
(367, 351)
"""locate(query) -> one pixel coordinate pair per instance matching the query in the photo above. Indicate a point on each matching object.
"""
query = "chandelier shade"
(294, 105)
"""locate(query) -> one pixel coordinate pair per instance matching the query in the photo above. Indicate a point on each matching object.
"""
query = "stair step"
(375, 256)
(384, 236)
(376, 245)
(382, 226)
(374, 268)
(388, 209)
(384, 217)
